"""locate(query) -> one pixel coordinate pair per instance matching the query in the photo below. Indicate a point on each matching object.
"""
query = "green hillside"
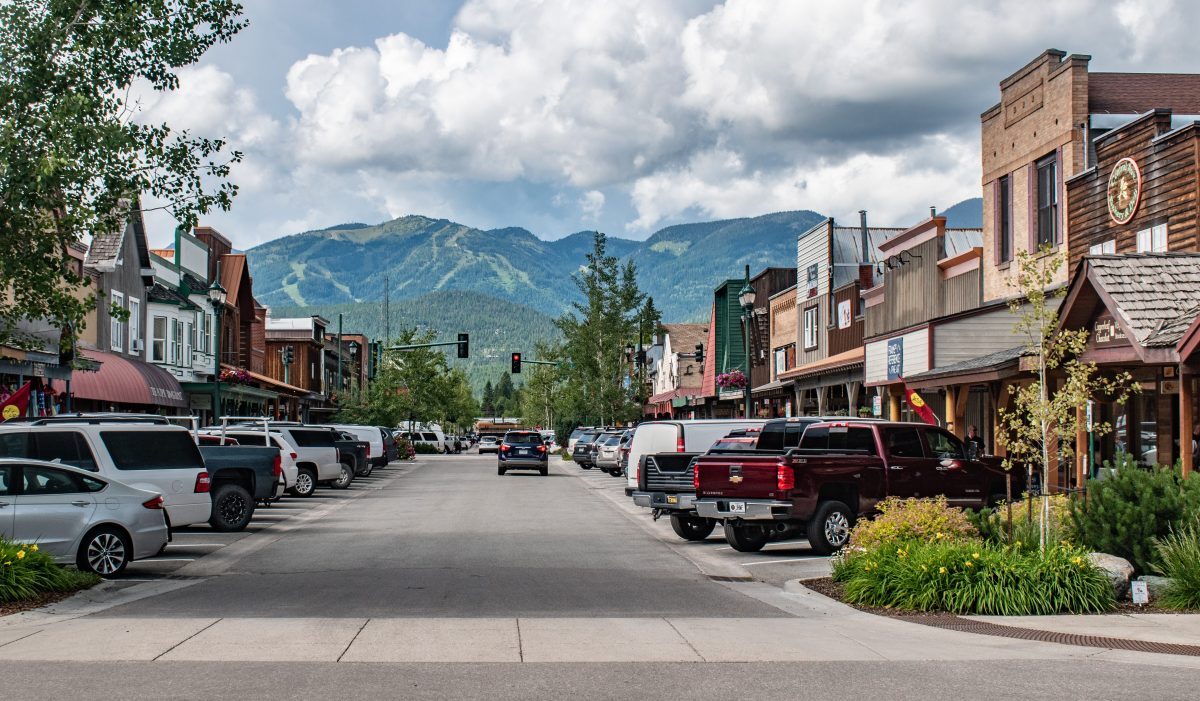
(347, 264)
(497, 327)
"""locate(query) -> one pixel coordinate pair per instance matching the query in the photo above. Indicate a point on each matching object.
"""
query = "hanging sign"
(1124, 190)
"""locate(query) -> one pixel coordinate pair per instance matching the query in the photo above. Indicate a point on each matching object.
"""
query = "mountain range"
(433, 267)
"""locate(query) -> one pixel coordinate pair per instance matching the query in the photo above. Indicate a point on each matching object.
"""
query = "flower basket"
(734, 379)
(235, 376)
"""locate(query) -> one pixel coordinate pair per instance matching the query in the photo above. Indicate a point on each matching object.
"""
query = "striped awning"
(126, 380)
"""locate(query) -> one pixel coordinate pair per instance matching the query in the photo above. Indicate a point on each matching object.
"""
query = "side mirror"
(948, 465)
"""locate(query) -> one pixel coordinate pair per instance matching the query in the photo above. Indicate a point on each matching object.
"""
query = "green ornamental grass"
(1179, 553)
(26, 573)
(974, 578)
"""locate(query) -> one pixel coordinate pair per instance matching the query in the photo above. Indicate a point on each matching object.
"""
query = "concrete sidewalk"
(859, 637)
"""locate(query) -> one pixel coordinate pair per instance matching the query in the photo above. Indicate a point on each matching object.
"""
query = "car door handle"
(895, 467)
(80, 504)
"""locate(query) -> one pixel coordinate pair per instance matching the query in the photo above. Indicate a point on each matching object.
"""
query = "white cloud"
(629, 114)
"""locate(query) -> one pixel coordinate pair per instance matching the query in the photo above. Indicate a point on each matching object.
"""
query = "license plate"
(672, 499)
(737, 507)
(522, 452)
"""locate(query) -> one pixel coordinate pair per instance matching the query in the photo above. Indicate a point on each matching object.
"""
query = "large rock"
(1155, 585)
(1118, 569)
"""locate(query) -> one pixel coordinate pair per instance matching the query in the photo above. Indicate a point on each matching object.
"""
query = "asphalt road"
(452, 538)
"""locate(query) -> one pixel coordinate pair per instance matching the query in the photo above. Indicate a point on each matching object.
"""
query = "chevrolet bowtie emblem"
(736, 479)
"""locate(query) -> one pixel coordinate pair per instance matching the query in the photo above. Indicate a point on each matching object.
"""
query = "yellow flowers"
(941, 570)
(968, 563)
(34, 547)
(20, 554)
(901, 552)
(975, 556)
(924, 568)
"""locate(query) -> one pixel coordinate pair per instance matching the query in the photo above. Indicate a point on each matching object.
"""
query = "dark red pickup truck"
(839, 473)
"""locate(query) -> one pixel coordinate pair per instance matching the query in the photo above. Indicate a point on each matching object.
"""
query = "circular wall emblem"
(1124, 190)
(11, 412)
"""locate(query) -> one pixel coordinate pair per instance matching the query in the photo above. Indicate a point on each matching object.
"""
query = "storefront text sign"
(895, 358)
(1107, 332)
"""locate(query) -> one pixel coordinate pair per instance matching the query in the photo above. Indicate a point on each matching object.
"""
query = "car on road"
(839, 472)
(523, 450)
(142, 452)
(489, 444)
(607, 451)
(98, 524)
(582, 452)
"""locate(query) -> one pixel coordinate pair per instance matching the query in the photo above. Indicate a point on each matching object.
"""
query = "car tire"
(585, 466)
(306, 483)
(829, 529)
(232, 508)
(105, 551)
(746, 537)
(544, 470)
(344, 478)
(500, 470)
(692, 527)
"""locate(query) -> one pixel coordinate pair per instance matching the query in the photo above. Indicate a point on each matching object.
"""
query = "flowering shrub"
(26, 572)
(912, 519)
(734, 379)
(967, 577)
(236, 376)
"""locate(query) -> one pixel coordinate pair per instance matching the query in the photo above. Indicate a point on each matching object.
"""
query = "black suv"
(523, 450)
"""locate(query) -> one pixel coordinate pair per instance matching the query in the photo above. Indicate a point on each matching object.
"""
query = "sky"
(626, 115)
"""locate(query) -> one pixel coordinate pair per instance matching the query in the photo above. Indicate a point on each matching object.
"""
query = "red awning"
(125, 380)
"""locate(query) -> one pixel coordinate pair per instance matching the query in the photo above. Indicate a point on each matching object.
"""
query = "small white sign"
(1141, 595)
(844, 318)
(877, 405)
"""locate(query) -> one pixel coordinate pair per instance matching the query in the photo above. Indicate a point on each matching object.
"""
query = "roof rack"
(91, 419)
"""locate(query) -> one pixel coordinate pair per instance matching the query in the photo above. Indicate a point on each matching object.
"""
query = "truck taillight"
(277, 468)
(679, 447)
(696, 478)
(203, 482)
(368, 450)
(295, 455)
(785, 479)
(155, 503)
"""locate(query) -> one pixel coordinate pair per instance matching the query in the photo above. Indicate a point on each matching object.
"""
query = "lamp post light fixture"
(217, 295)
(746, 299)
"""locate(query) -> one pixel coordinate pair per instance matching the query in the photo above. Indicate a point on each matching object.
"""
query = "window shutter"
(997, 233)
(1031, 180)
(1060, 184)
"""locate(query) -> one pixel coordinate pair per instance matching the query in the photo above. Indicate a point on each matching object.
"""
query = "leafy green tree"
(74, 157)
(1043, 417)
(595, 332)
(542, 393)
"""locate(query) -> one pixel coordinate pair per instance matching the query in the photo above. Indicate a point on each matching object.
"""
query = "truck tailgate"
(745, 476)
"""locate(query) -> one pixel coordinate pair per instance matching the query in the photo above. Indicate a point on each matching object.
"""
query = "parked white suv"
(152, 456)
(370, 435)
(316, 455)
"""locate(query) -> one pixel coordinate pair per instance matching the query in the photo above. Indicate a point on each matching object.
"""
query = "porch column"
(852, 389)
(1185, 420)
(822, 399)
(1081, 446)
(893, 403)
(950, 405)
(1001, 399)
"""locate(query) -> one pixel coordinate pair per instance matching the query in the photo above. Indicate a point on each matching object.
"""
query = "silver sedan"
(79, 517)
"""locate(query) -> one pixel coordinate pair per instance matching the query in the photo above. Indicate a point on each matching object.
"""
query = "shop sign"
(1124, 190)
(877, 406)
(812, 274)
(1168, 387)
(1106, 332)
(895, 358)
(38, 369)
(844, 316)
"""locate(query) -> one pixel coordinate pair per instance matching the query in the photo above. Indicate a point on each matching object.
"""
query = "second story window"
(116, 327)
(1004, 203)
(158, 342)
(1047, 201)
(810, 327)
(1152, 240)
(1104, 248)
(135, 325)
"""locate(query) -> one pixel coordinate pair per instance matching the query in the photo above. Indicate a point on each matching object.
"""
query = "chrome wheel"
(304, 484)
(106, 554)
(837, 529)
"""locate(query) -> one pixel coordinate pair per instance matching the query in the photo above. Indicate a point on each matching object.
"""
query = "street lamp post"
(217, 295)
(746, 298)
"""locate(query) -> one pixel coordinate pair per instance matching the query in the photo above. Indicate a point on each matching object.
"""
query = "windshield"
(576, 434)
(523, 438)
(612, 439)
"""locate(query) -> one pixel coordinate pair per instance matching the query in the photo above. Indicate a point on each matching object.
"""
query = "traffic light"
(699, 352)
(516, 363)
(464, 345)
(289, 355)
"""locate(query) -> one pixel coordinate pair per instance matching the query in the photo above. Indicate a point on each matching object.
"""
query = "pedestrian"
(974, 442)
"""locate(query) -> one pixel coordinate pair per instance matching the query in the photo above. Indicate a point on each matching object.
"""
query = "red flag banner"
(17, 403)
(918, 405)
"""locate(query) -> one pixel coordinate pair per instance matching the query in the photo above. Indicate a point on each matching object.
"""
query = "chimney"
(932, 212)
(866, 243)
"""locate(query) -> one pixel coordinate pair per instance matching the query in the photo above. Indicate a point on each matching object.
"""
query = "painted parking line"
(773, 562)
(168, 559)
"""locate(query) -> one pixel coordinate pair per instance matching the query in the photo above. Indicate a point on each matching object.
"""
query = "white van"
(682, 436)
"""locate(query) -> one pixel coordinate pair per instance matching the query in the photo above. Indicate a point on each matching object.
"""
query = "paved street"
(444, 579)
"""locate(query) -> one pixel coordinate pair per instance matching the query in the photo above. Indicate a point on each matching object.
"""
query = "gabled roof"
(105, 249)
(1154, 297)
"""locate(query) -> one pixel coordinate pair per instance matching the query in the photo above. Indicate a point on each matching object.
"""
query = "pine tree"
(489, 399)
